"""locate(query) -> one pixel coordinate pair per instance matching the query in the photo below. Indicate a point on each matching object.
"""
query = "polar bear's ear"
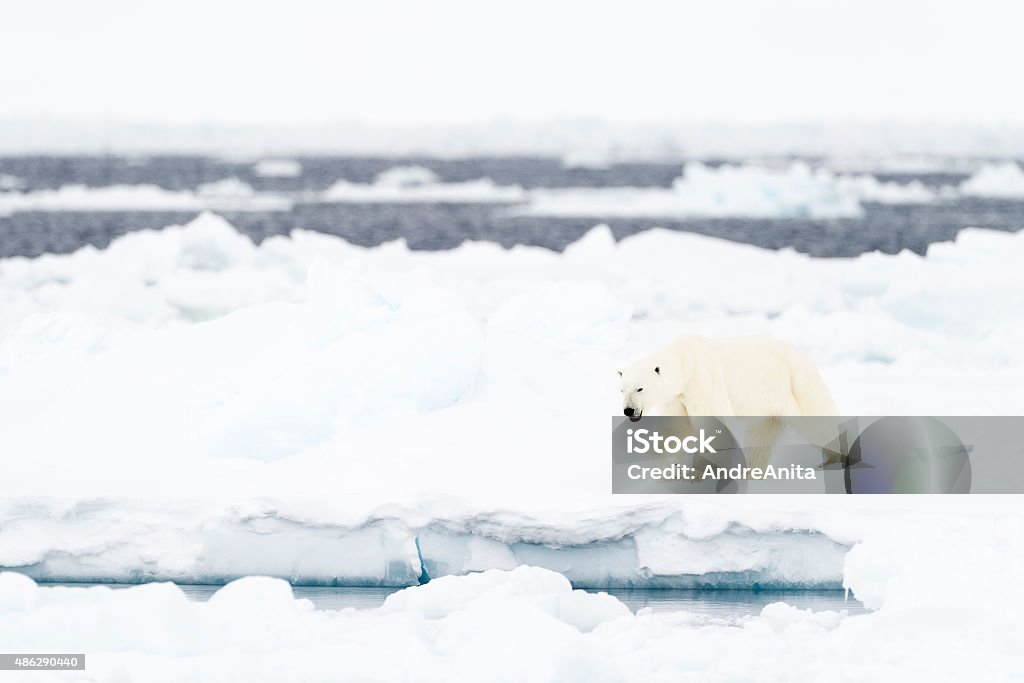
(657, 370)
(620, 373)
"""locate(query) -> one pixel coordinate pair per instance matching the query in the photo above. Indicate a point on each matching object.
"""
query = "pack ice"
(528, 624)
(187, 405)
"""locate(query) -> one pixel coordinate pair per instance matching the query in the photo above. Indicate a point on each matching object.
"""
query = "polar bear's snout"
(631, 409)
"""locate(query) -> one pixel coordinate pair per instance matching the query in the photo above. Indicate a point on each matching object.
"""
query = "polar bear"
(743, 376)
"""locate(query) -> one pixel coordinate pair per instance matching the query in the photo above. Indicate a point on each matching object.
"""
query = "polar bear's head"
(644, 388)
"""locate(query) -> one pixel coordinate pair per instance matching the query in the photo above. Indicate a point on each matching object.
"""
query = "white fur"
(751, 376)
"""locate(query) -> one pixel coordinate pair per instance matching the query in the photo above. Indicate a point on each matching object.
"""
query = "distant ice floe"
(229, 194)
(414, 184)
(796, 191)
(750, 191)
(867, 188)
(10, 182)
(1003, 181)
(742, 191)
(278, 168)
(915, 164)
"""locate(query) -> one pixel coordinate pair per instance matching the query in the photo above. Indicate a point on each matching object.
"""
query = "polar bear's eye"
(639, 390)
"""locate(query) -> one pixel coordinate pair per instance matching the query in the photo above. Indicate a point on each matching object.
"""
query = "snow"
(418, 184)
(749, 190)
(447, 595)
(186, 405)
(523, 624)
(745, 190)
(753, 191)
(407, 176)
(1003, 181)
(10, 182)
(278, 168)
(916, 164)
(867, 188)
(764, 191)
(229, 194)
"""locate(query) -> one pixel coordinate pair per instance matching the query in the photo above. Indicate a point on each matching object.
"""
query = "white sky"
(456, 61)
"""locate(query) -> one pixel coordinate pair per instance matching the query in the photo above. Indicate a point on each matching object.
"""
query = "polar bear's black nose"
(628, 412)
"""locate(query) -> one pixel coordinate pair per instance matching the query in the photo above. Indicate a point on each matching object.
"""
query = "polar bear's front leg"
(760, 440)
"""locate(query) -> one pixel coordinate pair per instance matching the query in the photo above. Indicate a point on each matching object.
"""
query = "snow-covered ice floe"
(796, 191)
(753, 191)
(405, 543)
(909, 164)
(527, 624)
(228, 194)
(1002, 181)
(744, 191)
(278, 168)
(416, 184)
(867, 188)
(188, 405)
(10, 182)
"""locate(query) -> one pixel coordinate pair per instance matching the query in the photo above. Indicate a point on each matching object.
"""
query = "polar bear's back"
(766, 376)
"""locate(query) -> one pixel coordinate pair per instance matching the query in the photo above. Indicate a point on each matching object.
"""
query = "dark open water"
(886, 228)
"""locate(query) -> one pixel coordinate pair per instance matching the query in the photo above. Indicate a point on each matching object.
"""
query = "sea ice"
(185, 403)
(1005, 181)
(229, 194)
(412, 184)
(278, 168)
(524, 624)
